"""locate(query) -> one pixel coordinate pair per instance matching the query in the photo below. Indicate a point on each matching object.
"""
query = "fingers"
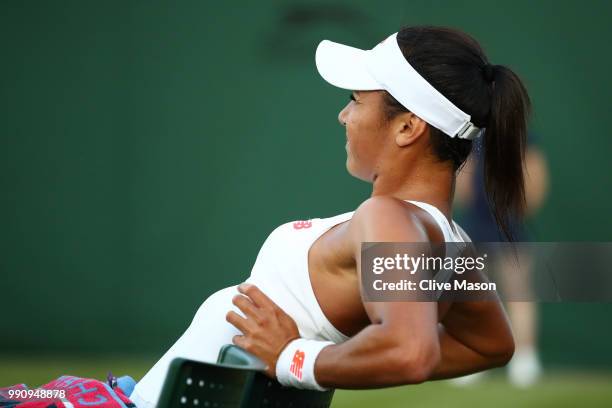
(253, 316)
(259, 298)
(240, 341)
(247, 307)
(238, 321)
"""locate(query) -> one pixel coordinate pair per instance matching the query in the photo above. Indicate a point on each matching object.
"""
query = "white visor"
(384, 67)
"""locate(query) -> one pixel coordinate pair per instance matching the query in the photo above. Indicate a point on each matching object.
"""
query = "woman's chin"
(353, 171)
(349, 166)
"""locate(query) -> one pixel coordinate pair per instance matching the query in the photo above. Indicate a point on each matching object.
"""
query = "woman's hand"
(267, 329)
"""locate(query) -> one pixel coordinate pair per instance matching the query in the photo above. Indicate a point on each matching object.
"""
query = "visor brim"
(344, 67)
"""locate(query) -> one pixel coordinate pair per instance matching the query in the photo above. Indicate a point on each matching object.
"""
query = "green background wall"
(148, 147)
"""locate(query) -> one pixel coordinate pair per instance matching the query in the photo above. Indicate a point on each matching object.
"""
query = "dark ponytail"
(495, 98)
(504, 148)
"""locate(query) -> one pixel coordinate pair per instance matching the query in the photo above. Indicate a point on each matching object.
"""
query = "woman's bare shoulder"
(386, 219)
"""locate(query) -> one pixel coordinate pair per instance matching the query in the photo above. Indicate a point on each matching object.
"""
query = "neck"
(431, 183)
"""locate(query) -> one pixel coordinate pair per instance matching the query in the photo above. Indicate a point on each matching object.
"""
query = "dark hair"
(494, 96)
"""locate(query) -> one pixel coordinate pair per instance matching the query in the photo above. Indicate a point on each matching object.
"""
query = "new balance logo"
(297, 363)
(302, 224)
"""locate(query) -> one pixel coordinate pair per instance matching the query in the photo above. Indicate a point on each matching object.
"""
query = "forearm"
(372, 359)
(375, 358)
(457, 359)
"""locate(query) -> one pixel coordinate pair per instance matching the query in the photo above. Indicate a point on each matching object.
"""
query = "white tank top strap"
(451, 232)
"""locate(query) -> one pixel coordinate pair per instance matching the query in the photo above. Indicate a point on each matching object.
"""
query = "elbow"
(502, 353)
(505, 352)
(418, 366)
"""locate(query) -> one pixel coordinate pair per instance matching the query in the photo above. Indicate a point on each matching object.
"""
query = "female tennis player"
(418, 99)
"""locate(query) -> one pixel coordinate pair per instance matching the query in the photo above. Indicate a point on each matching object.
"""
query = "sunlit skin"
(391, 343)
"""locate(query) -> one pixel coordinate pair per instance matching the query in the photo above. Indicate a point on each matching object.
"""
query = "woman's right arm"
(404, 344)
(474, 336)
(401, 345)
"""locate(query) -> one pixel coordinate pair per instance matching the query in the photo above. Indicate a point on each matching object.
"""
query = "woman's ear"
(408, 128)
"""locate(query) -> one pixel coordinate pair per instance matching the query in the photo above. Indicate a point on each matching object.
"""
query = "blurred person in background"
(525, 368)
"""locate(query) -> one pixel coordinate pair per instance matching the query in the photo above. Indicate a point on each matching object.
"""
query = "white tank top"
(281, 269)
